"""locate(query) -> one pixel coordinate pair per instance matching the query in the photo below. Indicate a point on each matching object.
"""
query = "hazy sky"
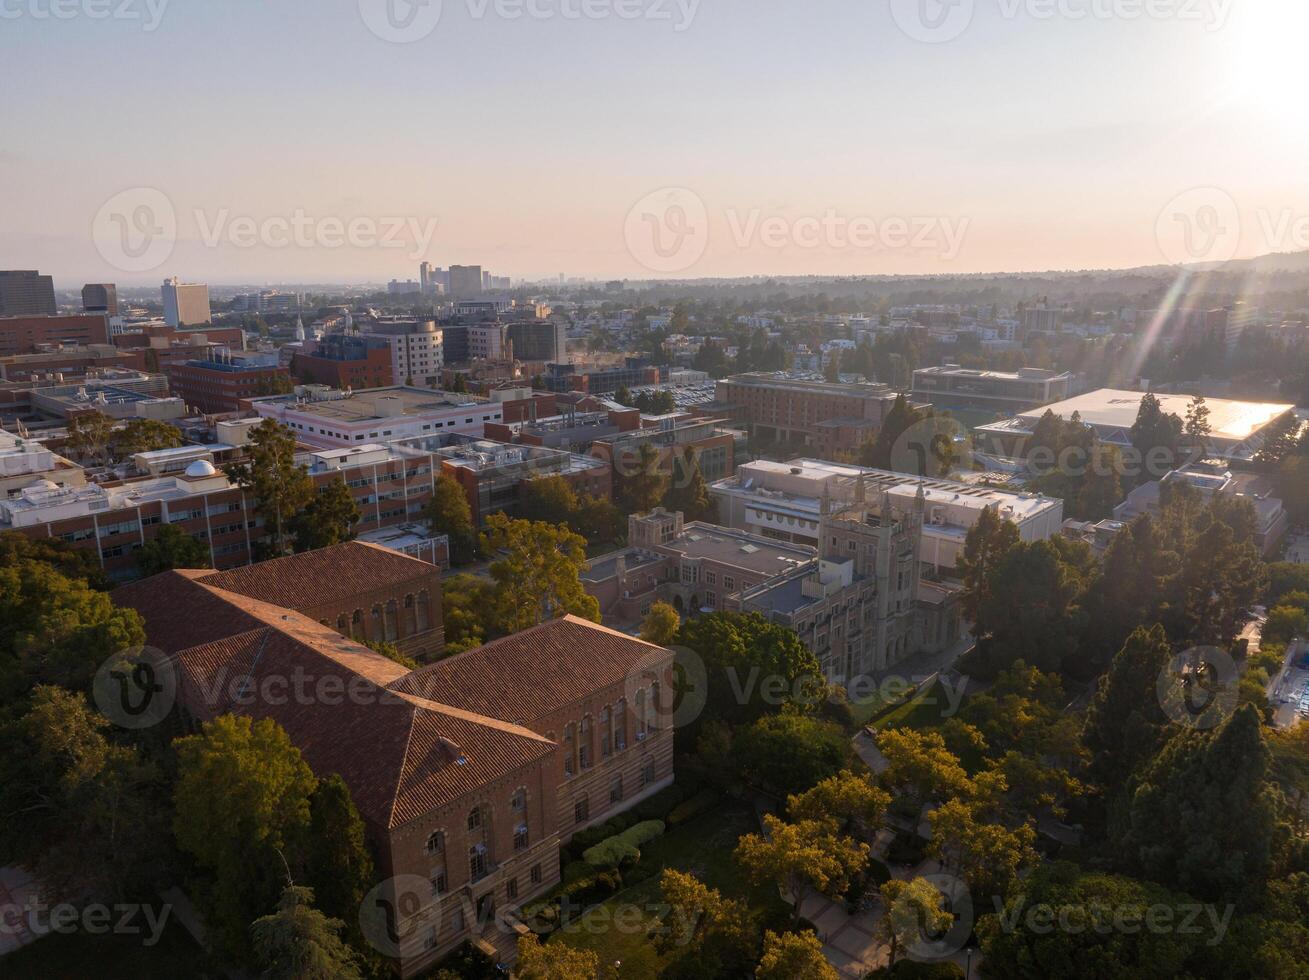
(798, 136)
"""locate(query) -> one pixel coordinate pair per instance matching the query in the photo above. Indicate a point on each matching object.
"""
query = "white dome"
(201, 467)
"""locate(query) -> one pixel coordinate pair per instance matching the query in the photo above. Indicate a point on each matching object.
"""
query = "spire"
(860, 488)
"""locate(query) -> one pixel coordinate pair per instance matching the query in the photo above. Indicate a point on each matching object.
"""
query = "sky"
(261, 141)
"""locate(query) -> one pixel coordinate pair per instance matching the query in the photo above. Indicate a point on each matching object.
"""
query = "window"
(620, 725)
(457, 918)
(642, 722)
(477, 862)
(436, 843)
(535, 874)
(518, 802)
(729, 583)
(711, 599)
(440, 885)
(570, 748)
(616, 790)
(520, 837)
(648, 773)
(606, 732)
(582, 810)
(584, 744)
(511, 888)
(710, 578)
(475, 818)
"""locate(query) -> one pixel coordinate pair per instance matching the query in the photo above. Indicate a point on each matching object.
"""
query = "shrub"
(623, 847)
(693, 807)
(658, 806)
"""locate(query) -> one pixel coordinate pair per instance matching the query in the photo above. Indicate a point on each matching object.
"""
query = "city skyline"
(895, 143)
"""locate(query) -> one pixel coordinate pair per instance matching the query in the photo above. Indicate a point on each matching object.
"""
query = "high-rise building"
(425, 276)
(185, 304)
(539, 340)
(100, 297)
(26, 293)
(416, 348)
(465, 281)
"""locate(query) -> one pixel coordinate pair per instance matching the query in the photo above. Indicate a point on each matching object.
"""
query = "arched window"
(570, 750)
(475, 818)
(424, 601)
(584, 743)
(342, 623)
(620, 725)
(436, 842)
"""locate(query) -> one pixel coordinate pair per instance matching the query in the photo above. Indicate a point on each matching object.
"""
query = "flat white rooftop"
(1113, 408)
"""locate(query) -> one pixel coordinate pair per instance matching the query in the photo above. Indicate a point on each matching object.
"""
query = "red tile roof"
(405, 743)
(532, 674)
(322, 577)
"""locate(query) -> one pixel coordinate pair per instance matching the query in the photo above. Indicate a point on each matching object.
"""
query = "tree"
(661, 625)
(856, 802)
(81, 812)
(241, 796)
(734, 647)
(338, 864)
(70, 562)
(688, 492)
(791, 752)
(988, 854)
(1204, 812)
(794, 956)
(1197, 427)
(1126, 724)
(329, 519)
(919, 765)
(449, 513)
(56, 630)
(708, 935)
(89, 436)
(144, 436)
(170, 548)
(794, 856)
(281, 486)
(554, 961)
(298, 942)
(1087, 943)
(466, 602)
(549, 499)
(986, 543)
(914, 910)
(1156, 437)
(639, 485)
(537, 579)
(1290, 768)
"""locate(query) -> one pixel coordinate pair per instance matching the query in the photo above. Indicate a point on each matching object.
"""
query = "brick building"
(782, 407)
(469, 773)
(27, 334)
(347, 361)
(225, 380)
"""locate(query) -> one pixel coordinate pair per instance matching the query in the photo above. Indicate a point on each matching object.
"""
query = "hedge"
(693, 807)
(623, 847)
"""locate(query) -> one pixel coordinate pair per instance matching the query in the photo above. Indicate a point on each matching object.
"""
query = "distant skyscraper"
(465, 281)
(100, 297)
(425, 276)
(26, 293)
(185, 303)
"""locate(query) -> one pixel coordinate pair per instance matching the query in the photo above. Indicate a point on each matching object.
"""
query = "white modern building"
(328, 417)
(185, 303)
(786, 501)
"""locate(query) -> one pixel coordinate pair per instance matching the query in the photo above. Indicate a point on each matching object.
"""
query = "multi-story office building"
(185, 303)
(464, 781)
(329, 418)
(26, 334)
(1042, 320)
(539, 340)
(715, 448)
(100, 297)
(417, 348)
(784, 407)
(952, 387)
(465, 281)
(342, 360)
(27, 293)
(785, 501)
(602, 380)
(224, 380)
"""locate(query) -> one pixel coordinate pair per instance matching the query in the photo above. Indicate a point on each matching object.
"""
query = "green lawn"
(75, 956)
(617, 930)
(926, 710)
